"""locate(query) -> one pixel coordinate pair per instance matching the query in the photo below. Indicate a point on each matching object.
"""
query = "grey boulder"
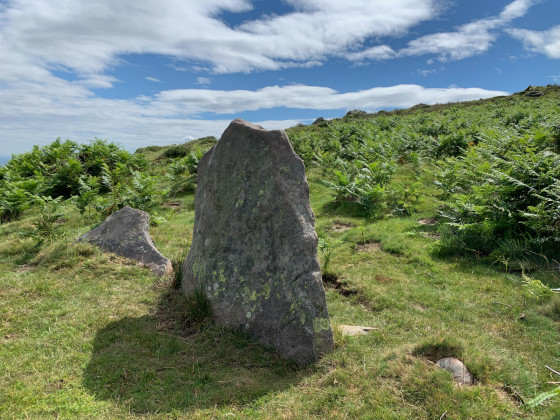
(126, 233)
(460, 372)
(254, 248)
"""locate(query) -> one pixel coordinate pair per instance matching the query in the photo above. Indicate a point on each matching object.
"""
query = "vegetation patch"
(177, 262)
(428, 221)
(340, 227)
(180, 314)
(332, 281)
(551, 309)
(185, 149)
(372, 246)
(383, 279)
(173, 204)
(436, 348)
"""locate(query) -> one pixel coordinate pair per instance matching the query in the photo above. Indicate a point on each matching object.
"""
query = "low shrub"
(182, 150)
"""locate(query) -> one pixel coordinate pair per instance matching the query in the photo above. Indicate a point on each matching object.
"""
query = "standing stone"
(126, 233)
(254, 249)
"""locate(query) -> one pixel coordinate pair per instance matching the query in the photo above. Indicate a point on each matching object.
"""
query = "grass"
(84, 334)
(89, 335)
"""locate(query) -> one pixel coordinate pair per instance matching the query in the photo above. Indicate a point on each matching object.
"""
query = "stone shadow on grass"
(160, 363)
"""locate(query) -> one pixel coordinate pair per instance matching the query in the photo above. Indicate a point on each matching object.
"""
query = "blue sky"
(144, 72)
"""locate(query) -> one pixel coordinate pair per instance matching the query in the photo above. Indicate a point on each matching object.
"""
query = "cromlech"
(254, 248)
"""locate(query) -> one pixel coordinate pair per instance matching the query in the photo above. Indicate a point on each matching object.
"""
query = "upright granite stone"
(254, 249)
(126, 233)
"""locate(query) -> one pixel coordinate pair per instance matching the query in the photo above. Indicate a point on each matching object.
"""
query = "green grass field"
(85, 334)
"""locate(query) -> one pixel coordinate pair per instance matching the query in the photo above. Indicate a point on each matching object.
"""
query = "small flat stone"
(429, 221)
(355, 329)
(460, 372)
(340, 227)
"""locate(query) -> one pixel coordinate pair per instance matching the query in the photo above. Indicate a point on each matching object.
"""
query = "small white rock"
(460, 372)
(355, 329)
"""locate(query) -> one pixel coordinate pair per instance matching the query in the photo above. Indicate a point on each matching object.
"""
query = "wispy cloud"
(427, 72)
(379, 52)
(152, 79)
(203, 81)
(516, 9)
(40, 38)
(471, 39)
(89, 37)
(38, 115)
(310, 97)
(543, 42)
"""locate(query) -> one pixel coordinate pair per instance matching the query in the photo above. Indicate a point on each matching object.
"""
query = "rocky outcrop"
(254, 248)
(534, 94)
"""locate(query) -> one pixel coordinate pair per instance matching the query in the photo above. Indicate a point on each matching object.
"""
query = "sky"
(145, 72)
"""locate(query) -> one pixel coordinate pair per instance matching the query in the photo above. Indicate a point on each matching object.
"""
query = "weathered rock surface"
(254, 249)
(460, 372)
(126, 233)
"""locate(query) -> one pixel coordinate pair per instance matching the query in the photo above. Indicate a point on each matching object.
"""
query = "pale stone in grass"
(355, 329)
(126, 233)
(254, 249)
(460, 372)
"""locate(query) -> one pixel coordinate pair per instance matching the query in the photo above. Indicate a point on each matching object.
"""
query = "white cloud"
(86, 38)
(379, 52)
(426, 72)
(152, 79)
(544, 42)
(516, 9)
(191, 101)
(203, 80)
(37, 114)
(89, 37)
(471, 39)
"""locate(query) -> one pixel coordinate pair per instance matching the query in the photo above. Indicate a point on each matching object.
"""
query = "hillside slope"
(413, 209)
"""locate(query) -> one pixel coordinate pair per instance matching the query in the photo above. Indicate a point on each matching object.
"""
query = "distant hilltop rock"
(551, 90)
(534, 94)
